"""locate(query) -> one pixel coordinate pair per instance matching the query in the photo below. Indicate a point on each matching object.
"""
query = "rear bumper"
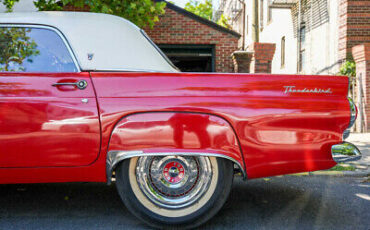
(345, 152)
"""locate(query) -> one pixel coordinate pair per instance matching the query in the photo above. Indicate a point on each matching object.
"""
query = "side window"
(33, 50)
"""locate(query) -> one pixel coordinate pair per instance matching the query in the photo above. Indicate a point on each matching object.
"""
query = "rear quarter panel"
(168, 132)
(279, 132)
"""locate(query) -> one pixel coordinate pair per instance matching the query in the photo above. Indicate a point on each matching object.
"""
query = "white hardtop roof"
(116, 43)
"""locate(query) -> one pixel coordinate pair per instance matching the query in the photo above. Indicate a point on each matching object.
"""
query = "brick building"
(354, 42)
(193, 43)
(354, 25)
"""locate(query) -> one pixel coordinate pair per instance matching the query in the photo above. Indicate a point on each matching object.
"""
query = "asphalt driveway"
(289, 202)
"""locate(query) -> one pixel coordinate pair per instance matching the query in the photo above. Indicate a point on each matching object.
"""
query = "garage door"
(191, 58)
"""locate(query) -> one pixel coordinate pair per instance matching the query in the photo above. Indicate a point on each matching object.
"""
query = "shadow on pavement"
(278, 203)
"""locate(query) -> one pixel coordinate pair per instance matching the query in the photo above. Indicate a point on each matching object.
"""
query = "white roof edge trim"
(116, 43)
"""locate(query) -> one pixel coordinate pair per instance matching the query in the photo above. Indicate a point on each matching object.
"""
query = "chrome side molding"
(115, 157)
(345, 152)
(353, 111)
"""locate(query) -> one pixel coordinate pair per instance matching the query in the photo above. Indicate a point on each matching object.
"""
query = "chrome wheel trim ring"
(176, 190)
(172, 213)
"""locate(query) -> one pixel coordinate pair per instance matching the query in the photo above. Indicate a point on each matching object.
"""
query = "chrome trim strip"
(345, 152)
(58, 32)
(353, 111)
(114, 157)
(346, 134)
(352, 121)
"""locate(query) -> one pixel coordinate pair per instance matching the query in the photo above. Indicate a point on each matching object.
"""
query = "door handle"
(82, 84)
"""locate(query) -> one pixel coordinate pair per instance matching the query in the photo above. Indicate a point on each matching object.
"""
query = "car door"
(48, 108)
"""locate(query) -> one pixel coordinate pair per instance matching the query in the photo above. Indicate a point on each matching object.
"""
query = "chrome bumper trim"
(345, 152)
(114, 157)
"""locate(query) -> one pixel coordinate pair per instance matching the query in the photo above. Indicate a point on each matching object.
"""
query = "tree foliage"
(349, 69)
(49, 5)
(224, 21)
(143, 13)
(9, 4)
(204, 9)
(15, 48)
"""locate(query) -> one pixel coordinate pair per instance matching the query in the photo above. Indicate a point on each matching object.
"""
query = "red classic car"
(89, 98)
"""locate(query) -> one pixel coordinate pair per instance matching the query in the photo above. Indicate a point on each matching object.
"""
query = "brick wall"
(354, 25)
(361, 54)
(242, 61)
(176, 28)
(262, 57)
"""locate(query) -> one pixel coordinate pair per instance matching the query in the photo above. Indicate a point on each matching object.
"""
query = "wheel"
(174, 191)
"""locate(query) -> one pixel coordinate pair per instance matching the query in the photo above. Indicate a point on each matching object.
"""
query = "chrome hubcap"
(173, 172)
(173, 181)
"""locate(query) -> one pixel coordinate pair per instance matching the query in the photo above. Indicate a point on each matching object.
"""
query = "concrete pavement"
(285, 202)
(362, 141)
(362, 167)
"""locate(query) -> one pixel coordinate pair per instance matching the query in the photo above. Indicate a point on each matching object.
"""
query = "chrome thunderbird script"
(293, 89)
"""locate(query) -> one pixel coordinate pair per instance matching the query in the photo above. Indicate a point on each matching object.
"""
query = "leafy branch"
(9, 4)
(349, 69)
(205, 10)
(15, 48)
(143, 13)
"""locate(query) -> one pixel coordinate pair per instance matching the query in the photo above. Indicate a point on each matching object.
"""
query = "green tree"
(9, 4)
(224, 21)
(144, 13)
(349, 69)
(202, 9)
(205, 10)
(49, 5)
(141, 12)
(15, 48)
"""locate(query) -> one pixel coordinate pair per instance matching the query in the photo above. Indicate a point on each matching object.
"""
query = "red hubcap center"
(173, 172)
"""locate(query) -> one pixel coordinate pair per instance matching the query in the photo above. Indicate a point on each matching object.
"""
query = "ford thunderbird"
(90, 98)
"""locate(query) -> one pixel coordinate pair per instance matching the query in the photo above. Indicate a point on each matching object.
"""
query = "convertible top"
(100, 42)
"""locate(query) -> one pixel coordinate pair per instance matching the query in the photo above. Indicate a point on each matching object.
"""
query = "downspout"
(243, 3)
(255, 24)
(328, 38)
(311, 41)
(298, 35)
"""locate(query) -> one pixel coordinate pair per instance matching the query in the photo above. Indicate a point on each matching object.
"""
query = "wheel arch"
(173, 133)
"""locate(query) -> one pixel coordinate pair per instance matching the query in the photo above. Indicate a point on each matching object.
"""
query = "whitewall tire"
(174, 191)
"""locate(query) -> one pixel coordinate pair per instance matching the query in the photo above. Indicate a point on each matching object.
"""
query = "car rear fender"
(173, 133)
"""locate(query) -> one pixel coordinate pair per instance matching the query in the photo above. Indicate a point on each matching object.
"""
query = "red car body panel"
(166, 132)
(273, 131)
(279, 132)
(46, 126)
